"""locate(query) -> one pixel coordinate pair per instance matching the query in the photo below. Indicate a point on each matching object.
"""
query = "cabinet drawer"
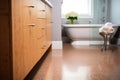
(41, 9)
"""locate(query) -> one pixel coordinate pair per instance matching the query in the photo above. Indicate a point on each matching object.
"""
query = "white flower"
(71, 14)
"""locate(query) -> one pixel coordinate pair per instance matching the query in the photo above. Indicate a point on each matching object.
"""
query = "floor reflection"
(80, 73)
(81, 63)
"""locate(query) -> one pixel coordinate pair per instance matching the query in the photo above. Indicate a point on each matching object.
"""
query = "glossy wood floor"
(80, 63)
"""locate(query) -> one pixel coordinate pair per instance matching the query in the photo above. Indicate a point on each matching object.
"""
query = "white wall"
(115, 11)
(56, 18)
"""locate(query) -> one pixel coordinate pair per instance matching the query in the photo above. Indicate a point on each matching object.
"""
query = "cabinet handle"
(42, 10)
(33, 25)
(31, 6)
(43, 28)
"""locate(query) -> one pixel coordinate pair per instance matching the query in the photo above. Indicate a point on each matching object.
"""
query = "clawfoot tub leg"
(104, 47)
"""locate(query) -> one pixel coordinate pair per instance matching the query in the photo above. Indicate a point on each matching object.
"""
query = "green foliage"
(72, 16)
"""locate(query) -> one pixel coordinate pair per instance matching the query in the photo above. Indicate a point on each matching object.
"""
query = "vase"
(71, 21)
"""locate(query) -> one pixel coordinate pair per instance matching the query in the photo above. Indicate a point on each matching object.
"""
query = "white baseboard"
(87, 42)
(57, 45)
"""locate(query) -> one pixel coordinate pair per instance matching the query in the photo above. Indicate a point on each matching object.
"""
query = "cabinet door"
(34, 31)
(41, 38)
(29, 35)
(41, 9)
(41, 18)
(18, 40)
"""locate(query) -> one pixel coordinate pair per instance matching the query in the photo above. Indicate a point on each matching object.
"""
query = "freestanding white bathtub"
(83, 32)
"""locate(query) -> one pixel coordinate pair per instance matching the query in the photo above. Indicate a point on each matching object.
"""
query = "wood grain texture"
(18, 40)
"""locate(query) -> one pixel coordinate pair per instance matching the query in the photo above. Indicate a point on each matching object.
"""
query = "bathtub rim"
(86, 25)
(82, 25)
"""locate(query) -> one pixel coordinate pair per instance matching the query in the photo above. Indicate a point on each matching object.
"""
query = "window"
(83, 7)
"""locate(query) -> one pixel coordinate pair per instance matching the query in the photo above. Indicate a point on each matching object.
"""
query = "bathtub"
(83, 32)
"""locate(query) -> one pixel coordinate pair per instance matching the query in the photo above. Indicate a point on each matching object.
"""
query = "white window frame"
(87, 15)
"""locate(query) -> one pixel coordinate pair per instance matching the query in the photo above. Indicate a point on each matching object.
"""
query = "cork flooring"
(80, 63)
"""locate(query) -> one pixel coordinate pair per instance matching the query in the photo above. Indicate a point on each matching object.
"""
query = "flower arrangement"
(72, 16)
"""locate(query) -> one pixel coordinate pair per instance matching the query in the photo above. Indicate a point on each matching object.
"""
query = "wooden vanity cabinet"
(25, 35)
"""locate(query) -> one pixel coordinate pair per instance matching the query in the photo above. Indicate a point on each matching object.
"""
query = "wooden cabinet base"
(38, 65)
(23, 36)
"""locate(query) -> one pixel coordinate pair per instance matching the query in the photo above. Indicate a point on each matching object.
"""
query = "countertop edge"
(48, 3)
